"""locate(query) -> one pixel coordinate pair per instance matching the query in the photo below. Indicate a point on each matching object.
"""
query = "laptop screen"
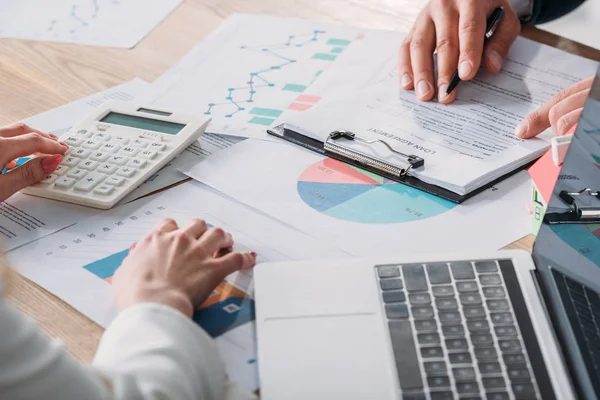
(567, 254)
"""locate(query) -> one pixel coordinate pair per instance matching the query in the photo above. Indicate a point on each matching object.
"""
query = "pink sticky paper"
(307, 98)
(299, 106)
(545, 173)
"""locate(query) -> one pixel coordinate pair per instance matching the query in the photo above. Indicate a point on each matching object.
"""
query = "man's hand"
(455, 29)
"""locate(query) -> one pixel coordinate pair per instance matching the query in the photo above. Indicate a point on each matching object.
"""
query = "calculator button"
(104, 189)
(114, 180)
(129, 151)
(64, 182)
(110, 148)
(140, 143)
(77, 173)
(81, 153)
(107, 168)
(118, 160)
(73, 141)
(126, 171)
(102, 127)
(91, 144)
(85, 133)
(158, 146)
(121, 140)
(102, 136)
(61, 170)
(49, 179)
(99, 156)
(89, 182)
(71, 161)
(149, 154)
(136, 163)
(88, 165)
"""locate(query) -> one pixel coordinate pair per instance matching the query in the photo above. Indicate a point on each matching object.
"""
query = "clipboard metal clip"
(583, 214)
(333, 147)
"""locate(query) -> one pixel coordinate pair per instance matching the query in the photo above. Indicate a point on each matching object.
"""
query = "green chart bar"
(324, 56)
(266, 112)
(290, 87)
(262, 121)
(337, 50)
(339, 42)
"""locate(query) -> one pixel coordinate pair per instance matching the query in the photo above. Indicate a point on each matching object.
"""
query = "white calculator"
(114, 150)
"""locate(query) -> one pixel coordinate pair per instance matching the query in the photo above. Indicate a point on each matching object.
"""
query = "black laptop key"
(388, 271)
(438, 382)
(456, 344)
(516, 358)
(478, 325)
(467, 387)
(509, 346)
(506, 331)
(498, 305)
(463, 374)
(449, 317)
(435, 368)
(443, 291)
(414, 276)
(438, 273)
(407, 362)
(593, 298)
(579, 299)
(422, 312)
(445, 395)
(498, 396)
(462, 270)
(494, 292)
(419, 299)
(502, 318)
(453, 331)
(395, 296)
(490, 279)
(523, 390)
(460, 358)
(431, 352)
(391, 284)
(495, 382)
(574, 286)
(482, 340)
(487, 368)
(518, 373)
(426, 325)
(446, 304)
(396, 311)
(474, 312)
(486, 266)
(470, 299)
(467, 287)
(428, 338)
(414, 396)
(485, 354)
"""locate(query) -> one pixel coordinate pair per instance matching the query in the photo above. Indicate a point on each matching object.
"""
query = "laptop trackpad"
(330, 357)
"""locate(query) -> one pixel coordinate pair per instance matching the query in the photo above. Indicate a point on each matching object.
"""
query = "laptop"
(487, 325)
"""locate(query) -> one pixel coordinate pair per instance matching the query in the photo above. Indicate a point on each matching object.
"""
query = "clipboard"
(336, 146)
(582, 207)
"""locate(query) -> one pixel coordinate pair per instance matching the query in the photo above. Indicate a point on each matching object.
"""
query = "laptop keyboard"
(582, 305)
(453, 332)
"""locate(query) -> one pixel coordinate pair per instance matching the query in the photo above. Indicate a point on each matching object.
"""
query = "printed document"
(467, 144)
(78, 263)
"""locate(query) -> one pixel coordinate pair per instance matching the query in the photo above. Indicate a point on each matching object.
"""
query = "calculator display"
(149, 124)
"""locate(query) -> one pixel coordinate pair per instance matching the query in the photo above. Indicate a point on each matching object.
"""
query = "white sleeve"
(149, 352)
(523, 8)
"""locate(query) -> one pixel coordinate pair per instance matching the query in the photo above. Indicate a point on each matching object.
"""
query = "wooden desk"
(38, 76)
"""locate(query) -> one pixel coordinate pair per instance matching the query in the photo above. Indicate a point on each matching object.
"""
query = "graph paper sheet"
(110, 23)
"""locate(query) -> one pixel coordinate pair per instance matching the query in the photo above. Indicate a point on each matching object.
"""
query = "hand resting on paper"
(560, 112)
(455, 28)
(19, 140)
(177, 267)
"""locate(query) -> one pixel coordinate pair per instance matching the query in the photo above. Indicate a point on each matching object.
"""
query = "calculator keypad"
(100, 163)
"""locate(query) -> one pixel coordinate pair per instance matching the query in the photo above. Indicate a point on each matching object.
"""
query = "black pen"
(491, 26)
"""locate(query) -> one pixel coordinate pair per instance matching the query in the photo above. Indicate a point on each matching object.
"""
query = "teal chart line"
(257, 80)
(80, 20)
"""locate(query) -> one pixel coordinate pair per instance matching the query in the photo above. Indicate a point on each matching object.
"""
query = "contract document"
(466, 145)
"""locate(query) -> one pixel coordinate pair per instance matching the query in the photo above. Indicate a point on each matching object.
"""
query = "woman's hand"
(560, 112)
(20, 140)
(455, 28)
(178, 267)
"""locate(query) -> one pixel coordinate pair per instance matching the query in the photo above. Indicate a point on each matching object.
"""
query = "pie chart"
(352, 194)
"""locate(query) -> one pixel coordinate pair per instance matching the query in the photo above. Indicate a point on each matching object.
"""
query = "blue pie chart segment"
(351, 194)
